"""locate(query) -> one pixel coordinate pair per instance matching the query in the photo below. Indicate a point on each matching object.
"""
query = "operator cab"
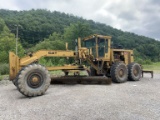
(98, 45)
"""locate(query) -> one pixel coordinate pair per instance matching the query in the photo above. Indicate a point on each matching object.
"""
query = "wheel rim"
(121, 72)
(136, 71)
(35, 80)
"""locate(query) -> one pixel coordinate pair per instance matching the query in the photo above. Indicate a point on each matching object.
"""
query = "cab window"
(101, 47)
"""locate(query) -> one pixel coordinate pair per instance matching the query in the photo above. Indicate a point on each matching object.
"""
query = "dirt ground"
(128, 101)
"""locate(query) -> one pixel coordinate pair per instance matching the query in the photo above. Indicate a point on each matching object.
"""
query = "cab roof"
(97, 35)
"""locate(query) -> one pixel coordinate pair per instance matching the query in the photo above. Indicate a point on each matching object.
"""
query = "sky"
(138, 16)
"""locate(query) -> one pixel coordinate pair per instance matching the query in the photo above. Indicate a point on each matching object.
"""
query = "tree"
(39, 24)
(7, 43)
(76, 30)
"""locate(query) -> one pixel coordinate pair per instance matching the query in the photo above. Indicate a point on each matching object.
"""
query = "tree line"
(43, 29)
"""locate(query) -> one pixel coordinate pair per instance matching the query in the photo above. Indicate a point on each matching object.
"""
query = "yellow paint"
(84, 54)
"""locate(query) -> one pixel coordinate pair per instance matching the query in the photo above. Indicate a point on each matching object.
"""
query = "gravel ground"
(128, 101)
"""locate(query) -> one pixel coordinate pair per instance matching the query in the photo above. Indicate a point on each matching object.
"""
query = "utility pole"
(16, 39)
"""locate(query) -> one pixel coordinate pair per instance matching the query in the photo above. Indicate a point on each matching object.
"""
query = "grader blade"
(81, 80)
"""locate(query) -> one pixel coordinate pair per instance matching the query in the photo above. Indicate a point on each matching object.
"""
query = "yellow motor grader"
(33, 79)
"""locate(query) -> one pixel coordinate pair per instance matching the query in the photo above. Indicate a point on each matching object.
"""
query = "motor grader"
(33, 79)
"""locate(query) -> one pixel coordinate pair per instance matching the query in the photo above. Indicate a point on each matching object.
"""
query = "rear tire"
(134, 71)
(119, 72)
(33, 80)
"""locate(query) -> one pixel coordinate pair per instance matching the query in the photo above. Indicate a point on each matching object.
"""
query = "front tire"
(33, 80)
(134, 71)
(119, 72)
(16, 79)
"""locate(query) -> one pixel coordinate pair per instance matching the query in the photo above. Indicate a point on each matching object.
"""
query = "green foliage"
(54, 42)
(58, 28)
(144, 62)
(46, 62)
(154, 66)
(36, 24)
(4, 69)
(2, 25)
(74, 31)
(148, 62)
(52, 61)
(7, 43)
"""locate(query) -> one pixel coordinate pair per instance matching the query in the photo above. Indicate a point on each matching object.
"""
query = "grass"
(61, 73)
(56, 73)
(153, 67)
(3, 77)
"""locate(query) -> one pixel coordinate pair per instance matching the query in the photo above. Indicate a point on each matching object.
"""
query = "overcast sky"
(139, 16)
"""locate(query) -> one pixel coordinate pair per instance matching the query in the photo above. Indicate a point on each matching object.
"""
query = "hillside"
(37, 25)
